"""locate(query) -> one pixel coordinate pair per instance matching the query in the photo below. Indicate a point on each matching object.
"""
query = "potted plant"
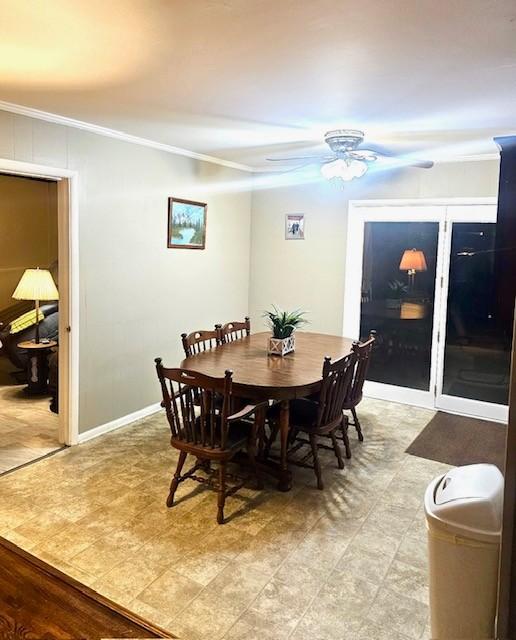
(397, 291)
(283, 325)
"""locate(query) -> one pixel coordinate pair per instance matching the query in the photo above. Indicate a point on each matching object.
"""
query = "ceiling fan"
(348, 159)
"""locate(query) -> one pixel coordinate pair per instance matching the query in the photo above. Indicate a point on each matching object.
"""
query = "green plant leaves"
(397, 288)
(283, 323)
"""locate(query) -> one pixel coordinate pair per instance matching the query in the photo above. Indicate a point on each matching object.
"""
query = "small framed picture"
(294, 227)
(186, 224)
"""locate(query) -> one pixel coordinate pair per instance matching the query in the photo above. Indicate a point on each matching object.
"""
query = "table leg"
(37, 374)
(285, 477)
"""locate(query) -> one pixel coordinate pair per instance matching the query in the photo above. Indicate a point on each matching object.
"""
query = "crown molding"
(118, 135)
(167, 148)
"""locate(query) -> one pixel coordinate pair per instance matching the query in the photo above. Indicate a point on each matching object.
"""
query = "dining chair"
(323, 416)
(362, 351)
(207, 434)
(232, 331)
(202, 340)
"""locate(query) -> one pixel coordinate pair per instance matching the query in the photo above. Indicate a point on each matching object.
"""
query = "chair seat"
(303, 413)
(239, 433)
(353, 403)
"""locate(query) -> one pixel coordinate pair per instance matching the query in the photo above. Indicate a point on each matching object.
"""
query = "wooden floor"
(38, 601)
(28, 429)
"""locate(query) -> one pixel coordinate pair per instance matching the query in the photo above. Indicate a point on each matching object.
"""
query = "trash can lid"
(467, 501)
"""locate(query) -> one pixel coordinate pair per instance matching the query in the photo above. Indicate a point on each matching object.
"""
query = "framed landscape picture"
(186, 224)
(294, 227)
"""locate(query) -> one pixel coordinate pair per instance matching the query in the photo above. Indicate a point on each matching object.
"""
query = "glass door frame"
(454, 404)
(444, 212)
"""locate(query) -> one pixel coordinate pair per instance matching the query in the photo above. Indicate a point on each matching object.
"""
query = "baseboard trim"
(118, 423)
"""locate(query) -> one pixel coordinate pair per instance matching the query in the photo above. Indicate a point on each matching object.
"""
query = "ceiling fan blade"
(378, 150)
(422, 164)
(296, 158)
(297, 168)
(400, 161)
(365, 155)
(281, 172)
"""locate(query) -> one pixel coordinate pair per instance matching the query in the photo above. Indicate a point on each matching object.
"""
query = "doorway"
(28, 335)
(64, 182)
(423, 277)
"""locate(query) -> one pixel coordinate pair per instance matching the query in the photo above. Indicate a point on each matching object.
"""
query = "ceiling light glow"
(344, 169)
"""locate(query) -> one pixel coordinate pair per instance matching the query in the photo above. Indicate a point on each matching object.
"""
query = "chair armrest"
(248, 410)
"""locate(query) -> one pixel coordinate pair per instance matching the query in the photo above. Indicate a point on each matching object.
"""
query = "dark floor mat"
(457, 441)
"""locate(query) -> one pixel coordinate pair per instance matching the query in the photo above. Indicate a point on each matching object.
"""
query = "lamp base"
(36, 337)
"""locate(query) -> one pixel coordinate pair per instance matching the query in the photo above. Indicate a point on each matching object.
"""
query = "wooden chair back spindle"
(203, 425)
(323, 416)
(362, 351)
(337, 380)
(232, 331)
(202, 340)
(183, 392)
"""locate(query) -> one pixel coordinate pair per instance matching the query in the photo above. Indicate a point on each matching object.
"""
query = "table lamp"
(36, 284)
(412, 260)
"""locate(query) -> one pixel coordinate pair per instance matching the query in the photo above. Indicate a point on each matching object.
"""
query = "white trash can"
(464, 521)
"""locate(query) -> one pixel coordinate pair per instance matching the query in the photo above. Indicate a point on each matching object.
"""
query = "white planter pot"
(281, 346)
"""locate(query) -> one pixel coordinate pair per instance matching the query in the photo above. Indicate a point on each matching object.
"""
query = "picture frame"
(186, 224)
(294, 226)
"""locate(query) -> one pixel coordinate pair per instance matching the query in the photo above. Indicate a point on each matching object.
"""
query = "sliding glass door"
(423, 277)
(399, 304)
(474, 358)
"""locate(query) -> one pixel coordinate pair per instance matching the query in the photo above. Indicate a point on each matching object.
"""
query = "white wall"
(310, 273)
(137, 296)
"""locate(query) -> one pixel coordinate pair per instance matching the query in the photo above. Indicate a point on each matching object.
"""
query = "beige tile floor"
(345, 563)
(28, 429)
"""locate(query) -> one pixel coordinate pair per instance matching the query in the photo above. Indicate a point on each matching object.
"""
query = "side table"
(37, 365)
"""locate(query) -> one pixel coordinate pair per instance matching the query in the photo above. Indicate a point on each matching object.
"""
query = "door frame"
(438, 210)
(68, 254)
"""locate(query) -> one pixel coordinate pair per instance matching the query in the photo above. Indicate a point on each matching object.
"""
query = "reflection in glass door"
(476, 356)
(397, 300)
(424, 278)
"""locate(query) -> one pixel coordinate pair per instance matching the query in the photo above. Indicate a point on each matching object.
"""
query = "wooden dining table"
(258, 376)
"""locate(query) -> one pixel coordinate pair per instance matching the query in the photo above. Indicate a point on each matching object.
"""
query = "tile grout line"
(372, 498)
(374, 504)
(324, 582)
(382, 582)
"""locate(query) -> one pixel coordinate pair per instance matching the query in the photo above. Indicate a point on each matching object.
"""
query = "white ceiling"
(247, 79)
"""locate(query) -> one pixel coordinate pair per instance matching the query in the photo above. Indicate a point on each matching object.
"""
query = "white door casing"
(444, 212)
(68, 241)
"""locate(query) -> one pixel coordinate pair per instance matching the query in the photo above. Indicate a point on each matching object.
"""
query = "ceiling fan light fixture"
(344, 169)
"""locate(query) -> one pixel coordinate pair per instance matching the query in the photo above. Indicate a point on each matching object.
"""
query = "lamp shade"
(36, 284)
(413, 260)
